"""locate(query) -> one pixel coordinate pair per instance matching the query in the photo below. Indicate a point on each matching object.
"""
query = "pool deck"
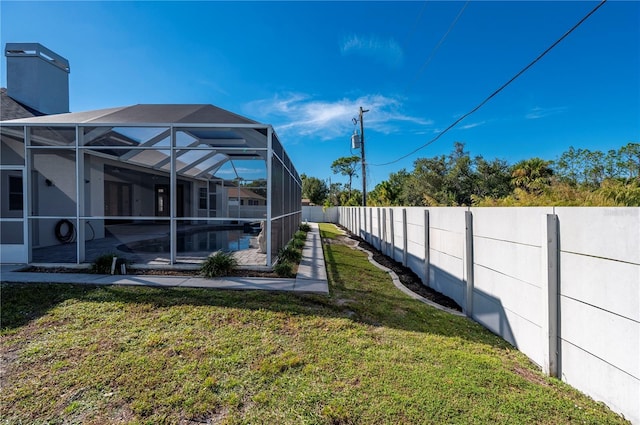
(311, 277)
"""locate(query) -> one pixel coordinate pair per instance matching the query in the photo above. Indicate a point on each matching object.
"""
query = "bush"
(283, 268)
(300, 235)
(297, 243)
(102, 264)
(305, 227)
(290, 253)
(219, 264)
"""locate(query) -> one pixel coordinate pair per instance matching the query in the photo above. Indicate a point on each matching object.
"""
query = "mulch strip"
(151, 272)
(406, 276)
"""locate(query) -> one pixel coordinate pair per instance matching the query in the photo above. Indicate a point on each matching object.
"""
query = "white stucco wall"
(446, 252)
(600, 304)
(318, 214)
(508, 293)
(597, 259)
(415, 239)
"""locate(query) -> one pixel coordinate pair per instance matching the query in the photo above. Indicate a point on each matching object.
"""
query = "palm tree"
(346, 166)
(532, 175)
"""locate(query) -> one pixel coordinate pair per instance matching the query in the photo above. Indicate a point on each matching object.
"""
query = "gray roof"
(143, 114)
(228, 135)
(11, 109)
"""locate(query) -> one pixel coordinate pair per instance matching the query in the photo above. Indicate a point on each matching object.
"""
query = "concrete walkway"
(311, 277)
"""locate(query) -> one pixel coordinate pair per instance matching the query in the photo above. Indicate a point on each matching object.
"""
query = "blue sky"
(306, 68)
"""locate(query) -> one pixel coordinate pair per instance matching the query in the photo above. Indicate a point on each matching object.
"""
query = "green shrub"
(297, 243)
(102, 264)
(219, 264)
(300, 235)
(290, 253)
(305, 227)
(283, 268)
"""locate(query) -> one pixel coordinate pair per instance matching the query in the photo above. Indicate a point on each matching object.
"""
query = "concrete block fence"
(560, 284)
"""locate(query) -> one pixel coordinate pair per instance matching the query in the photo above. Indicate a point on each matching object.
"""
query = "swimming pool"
(194, 241)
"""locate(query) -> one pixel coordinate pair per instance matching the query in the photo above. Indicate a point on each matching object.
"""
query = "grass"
(365, 354)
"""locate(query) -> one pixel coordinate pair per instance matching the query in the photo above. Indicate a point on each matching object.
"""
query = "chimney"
(37, 77)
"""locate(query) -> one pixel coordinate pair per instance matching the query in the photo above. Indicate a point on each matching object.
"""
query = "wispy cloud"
(297, 114)
(472, 125)
(539, 112)
(214, 86)
(386, 51)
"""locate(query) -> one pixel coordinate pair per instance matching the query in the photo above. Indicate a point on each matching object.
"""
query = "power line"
(437, 46)
(522, 71)
(414, 27)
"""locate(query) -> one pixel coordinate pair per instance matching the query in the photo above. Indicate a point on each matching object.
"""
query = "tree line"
(578, 177)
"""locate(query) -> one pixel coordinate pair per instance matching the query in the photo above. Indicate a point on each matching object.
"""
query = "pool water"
(208, 240)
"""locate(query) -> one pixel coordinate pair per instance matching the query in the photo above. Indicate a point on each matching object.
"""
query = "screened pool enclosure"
(155, 184)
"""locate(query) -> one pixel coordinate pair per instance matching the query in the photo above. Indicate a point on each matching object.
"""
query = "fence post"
(379, 230)
(405, 245)
(345, 218)
(349, 215)
(346, 213)
(393, 237)
(549, 287)
(425, 279)
(468, 242)
(370, 232)
(354, 224)
(352, 227)
(383, 247)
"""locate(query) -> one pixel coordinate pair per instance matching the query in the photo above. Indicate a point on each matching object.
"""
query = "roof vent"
(37, 77)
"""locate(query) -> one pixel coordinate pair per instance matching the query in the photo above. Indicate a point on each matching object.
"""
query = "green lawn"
(365, 354)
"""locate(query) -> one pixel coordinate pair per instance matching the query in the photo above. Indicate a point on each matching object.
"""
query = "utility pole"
(364, 170)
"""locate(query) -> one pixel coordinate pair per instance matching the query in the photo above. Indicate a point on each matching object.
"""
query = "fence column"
(393, 237)
(354, 220)
(383, 246)
(468, 251)
(379, 230)
(364, 223)
(370, 232)
(349, 216)
(405, 235)
(550, 297)
(345, 219)
(425, 279)
(352, 225)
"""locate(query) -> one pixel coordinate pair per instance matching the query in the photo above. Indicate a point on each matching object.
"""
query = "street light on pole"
(353, 144)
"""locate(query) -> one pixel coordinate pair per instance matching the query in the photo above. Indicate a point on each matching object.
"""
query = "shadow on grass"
(359, 292)
(24, 302)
